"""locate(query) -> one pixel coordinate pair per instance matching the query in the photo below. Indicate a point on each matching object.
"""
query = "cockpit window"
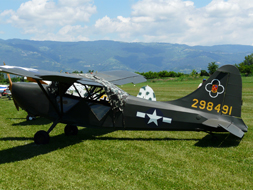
(115, 95)
(86, 91)
(77, 90)
(53, 88)
(108, 92)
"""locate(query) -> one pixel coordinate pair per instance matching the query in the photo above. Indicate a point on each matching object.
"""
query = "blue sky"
(192, 22)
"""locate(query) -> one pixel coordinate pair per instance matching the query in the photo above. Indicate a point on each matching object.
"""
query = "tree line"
(4, 80)
(245, 68)
(212, 67)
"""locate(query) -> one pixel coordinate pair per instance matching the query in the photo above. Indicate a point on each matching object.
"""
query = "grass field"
(102, 159)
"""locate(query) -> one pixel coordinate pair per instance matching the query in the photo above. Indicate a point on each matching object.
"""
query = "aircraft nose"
(21, 94)
(30, 97)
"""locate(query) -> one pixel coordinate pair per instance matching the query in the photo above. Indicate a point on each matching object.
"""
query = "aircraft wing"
(46, 75)
(120, 77)
(115, 77)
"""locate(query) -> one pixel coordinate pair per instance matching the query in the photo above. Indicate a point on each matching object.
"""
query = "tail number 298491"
(209, 106)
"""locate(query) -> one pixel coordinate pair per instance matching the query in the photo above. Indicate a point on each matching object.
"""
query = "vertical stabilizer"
(221, 93)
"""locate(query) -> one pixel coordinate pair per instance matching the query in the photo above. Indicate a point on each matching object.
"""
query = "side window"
(86, 91)
(53, 88)
(77, 90)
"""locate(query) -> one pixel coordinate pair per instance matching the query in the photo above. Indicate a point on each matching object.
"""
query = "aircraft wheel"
(29, 118)
(71, 130)
(41, 137)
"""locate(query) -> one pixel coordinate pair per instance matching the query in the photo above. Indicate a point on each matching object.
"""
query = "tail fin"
(221, 93)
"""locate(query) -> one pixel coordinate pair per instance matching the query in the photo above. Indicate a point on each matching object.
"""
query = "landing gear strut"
(42, 137)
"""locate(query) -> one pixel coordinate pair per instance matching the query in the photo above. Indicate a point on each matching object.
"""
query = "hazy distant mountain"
(111, 55)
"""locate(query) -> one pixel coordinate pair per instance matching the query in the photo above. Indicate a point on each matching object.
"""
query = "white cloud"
(150, 20)
(41, 16)
(119, 25)
(160, 9)
(66, 33)
(173, 21)
(177, 21)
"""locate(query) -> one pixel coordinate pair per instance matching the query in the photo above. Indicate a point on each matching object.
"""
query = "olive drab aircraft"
(214, 107)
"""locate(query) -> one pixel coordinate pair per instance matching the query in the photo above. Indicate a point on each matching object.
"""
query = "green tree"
(194, 72)
(151, 75)
(163, 74)
(204, 73)
(77, 72)
(212, 67)
(248, 60)
(1, 77)
(246, 67)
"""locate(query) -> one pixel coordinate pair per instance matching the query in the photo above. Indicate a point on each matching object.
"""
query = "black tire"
(70, 130)
(41, 137)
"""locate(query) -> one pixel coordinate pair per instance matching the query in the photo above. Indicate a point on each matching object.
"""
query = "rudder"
(221, 93)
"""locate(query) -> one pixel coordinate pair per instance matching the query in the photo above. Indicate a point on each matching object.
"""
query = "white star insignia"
(153, 118)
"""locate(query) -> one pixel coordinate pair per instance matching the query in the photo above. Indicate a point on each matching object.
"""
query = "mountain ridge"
(105, 55)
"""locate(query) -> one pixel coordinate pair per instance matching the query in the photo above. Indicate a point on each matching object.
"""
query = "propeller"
(10, 87)
(32, 80)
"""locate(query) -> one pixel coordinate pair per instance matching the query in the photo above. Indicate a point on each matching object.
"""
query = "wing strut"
(42, 137)
(49, 99)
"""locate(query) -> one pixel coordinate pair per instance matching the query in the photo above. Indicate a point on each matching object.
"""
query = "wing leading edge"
(115, 77)
(120, 77)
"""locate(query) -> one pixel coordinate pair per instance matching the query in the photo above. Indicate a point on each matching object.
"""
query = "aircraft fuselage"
(137, 114)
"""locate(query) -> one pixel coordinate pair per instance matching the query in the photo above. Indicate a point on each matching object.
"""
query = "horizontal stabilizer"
(234, 130)
(228, 126)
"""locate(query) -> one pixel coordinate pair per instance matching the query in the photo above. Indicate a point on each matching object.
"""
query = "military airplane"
(3, 88)
(214, 107)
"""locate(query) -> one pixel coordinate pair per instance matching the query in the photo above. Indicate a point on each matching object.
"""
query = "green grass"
(102, 159)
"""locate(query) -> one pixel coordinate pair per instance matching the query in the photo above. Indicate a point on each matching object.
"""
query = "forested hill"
(112, 55)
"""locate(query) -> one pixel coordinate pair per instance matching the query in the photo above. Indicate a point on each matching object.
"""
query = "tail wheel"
(71, 130)
(41, 137)
(29, 118)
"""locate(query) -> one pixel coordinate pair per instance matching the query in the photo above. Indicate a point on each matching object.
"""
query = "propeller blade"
(10, 87)
(32, 80)
(9, 77)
